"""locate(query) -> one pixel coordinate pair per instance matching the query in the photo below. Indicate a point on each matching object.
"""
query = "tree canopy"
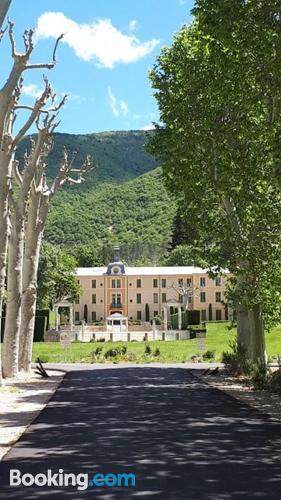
(219, 103)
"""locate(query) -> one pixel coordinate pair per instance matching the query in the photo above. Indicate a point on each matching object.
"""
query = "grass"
(218, 339)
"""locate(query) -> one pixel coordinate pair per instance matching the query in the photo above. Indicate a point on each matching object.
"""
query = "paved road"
(182, 439)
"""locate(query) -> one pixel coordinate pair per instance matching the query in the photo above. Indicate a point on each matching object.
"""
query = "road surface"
(182, 439)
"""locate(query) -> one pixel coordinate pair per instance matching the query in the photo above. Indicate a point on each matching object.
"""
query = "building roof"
(144, 271)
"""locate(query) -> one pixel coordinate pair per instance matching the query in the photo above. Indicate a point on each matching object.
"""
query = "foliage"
(55, 276)
(118, 156)
(118, 351)
(220, 144)
(208, 355)
(236, 360)
(137, 214)
(123, 200)
(185, 255)
(274, 381)
(218, 338)
(258, 377)
(147, 350)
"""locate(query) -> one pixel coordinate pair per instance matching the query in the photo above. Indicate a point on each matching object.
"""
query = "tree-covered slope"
(118, 156)
(137, 214)
(122, 201)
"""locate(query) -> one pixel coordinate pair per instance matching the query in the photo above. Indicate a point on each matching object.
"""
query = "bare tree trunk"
(13, 310)
(243, 330)
(15, 262)
(4, 7)
(33, 234)
(39, 202)
(257, 340)
(5, 184)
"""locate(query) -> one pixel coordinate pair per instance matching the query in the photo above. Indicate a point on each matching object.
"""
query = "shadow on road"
(182, 439)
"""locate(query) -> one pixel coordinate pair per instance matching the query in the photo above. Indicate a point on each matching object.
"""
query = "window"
(94, 316)
(116, 299)
(77, 300)
(164, 283)
(218, 281)
(218, 314)
(202, 281)
(203, 297)
(180, 298)
(138, 298)
(155, 313)
(164, 297)
(155, 298)
(139, 315)
(138, 283)
(188, 282)
(116, 283)
(190, 299)
(94, 283)
(203, 315)
(180, 282)
(155, 283)
(218, 296)
(77, 316)
(94, 298)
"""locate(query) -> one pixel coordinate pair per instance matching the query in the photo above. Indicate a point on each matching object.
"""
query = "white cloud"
(99, 40)
(149, 127)
(118, 107)
(31, 90)
(133, 25)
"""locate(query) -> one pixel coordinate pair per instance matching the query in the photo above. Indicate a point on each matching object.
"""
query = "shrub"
(258, 377)
(117, 351)
(101, 339)
(158, 320)
(208, 355)
(147, 350)
(98, 351)
(274, 381)
(236, 360)
(157, 352)
(130, 356)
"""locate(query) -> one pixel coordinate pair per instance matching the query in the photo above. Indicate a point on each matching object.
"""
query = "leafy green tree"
(185, 255)
(56, 277)
(218, 148)
(88, 255)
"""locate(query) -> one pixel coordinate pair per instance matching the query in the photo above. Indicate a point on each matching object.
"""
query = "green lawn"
(218, 338)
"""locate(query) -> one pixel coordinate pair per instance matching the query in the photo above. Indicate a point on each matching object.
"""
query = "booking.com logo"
(81, 481)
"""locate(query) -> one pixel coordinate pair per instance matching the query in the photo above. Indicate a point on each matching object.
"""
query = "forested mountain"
(118, 156)
(123, 201)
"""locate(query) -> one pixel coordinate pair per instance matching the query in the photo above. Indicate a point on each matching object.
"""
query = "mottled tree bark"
(37, 213)
(4, 7)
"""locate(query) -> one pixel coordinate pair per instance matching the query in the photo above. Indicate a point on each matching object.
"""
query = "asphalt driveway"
(182, 439)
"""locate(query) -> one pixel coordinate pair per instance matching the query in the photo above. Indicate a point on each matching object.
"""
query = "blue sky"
(103, 64)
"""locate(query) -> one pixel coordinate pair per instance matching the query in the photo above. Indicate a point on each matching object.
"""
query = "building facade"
(142, 293)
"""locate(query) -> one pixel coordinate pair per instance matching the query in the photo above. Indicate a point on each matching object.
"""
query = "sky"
(103, 62)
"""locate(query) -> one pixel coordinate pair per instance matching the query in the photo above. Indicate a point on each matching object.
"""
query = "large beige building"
(141, 293)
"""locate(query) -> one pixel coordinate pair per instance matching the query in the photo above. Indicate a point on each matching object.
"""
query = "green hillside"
(123, 201)
(118, 156)
(137, 214)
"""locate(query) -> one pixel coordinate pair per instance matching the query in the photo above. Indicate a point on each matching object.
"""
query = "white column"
(57, 317)
(71, 317)
(165, 318)
(179, 318)
(154, 330)
(83, 330)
